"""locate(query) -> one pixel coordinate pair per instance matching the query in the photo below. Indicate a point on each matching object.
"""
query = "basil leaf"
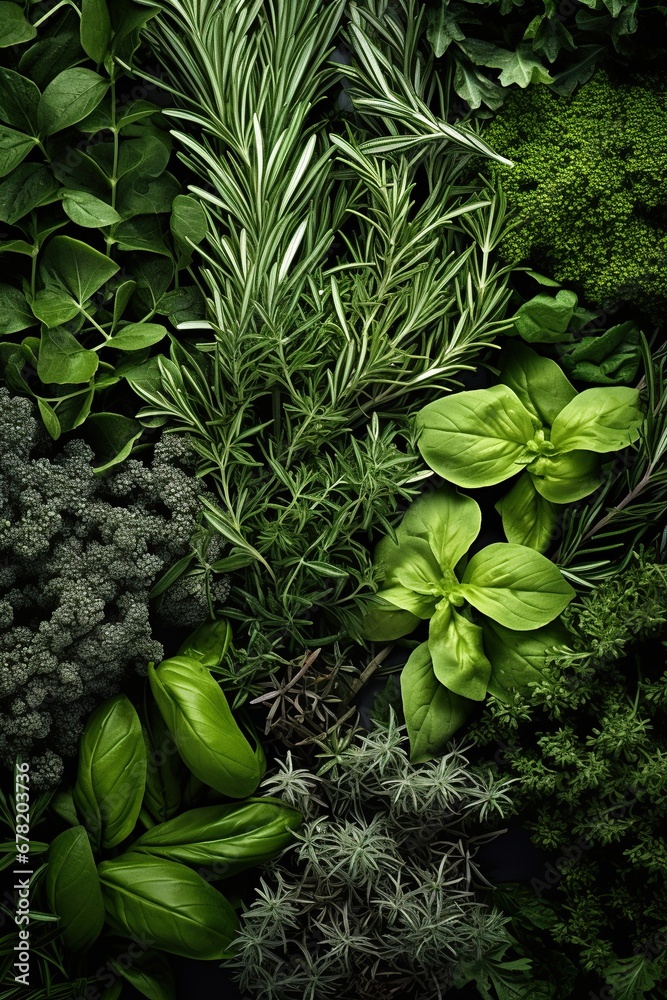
(567, 477)
(29, 186)
(75, 266)
(87, 210)
(54, 307)
(111, 775)
(475, 438)
(14, 147)
(19, 98)
(69, 98)
(151, 974)
(50, 418)
(432, 713)
(188, 223)
(95, 29)
(168, 904)
(73, 889)
(516, 586)
(528, 519)
(601, 420)
(14, 312)
(610, 358)
(517, 658)
(210, 642)
(538, 382)
(199, 718)
(14, 28)
(448, 521)
(544, 319)
(384, 622)
(135, 336)
(407, 599)
(139, 197)
(62, 359)
(112, 436)
(145, 232)
(164, 768)
(229, 838)
(457, 653)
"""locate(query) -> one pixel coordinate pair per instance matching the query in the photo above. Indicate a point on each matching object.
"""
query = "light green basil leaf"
(517, 658)
(411, 563)
(210, 642)
(135, 336)
(475, 438)
(14, 28)
(457, 654)
(150, 973)
(228, 839)
(198, 716)
(528, 519)
(87, 210)
(69, 98)
(62, 359)
(14, 312)
(515, 586)
(538, 382)
(407, 599)
(54, 307)
(111, 775)
(448, 521)
(432, 713)
(73, 889)
(564, 478)
(19, 98)
(95, 29)
(384, 622)
(14, 147)
(601, 420)
(168, 904)
(76, 266)
(544, 319)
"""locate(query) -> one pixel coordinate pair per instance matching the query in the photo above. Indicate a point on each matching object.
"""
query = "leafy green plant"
(323, 327)
(377, 898)
(587, 744)
(586, 187)
(536, 421)
(79, 554)
(98, 226)
(511, 585)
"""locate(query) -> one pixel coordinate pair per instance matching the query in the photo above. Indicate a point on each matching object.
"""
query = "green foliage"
(533, 420)
(73, 889)
(588, 747)
(587, 187)
(323, 327)
(91, 247)
(80, 553)
(377, 895)
(506, 583)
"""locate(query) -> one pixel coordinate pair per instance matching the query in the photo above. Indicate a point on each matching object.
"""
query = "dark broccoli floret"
(79, 555)
(588, 185)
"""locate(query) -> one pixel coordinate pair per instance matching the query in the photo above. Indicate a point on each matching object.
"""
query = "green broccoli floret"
(588, 185)
(79, 554)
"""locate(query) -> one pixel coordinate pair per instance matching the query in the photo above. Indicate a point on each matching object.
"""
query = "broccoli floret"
(79, 555)
(588, 187)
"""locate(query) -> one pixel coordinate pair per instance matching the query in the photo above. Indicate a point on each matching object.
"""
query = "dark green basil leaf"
(54, 307)
(138, 196)
(151, 974)
(111, 776)
(14, 311)
(169, 904)
(50, 418)
(14, 28)
(135, 336)
(146, 232)
(76, 266)
(112, 436)
(188, 221)
(62, 359)
(95, 29)
(228, 839)
(165, 773)
(87, 210)
(183, 304)
(208, 738)
(14, 147)
(73, 889)
(609, 358)
(517, 658)
(69, 98)
(49, 56)
(29, 186)
(19, 98)
(432, 713)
